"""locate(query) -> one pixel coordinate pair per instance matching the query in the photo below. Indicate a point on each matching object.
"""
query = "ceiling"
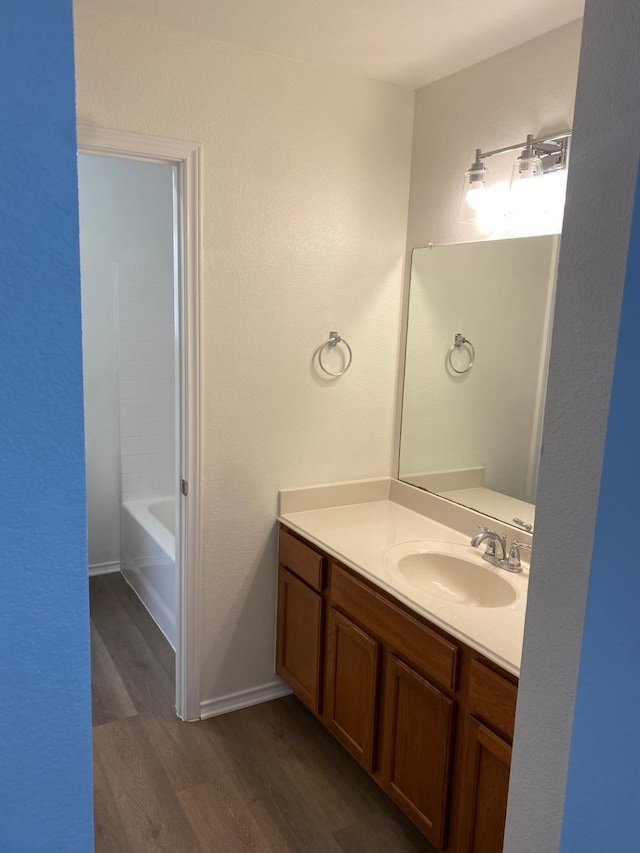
(406, 42)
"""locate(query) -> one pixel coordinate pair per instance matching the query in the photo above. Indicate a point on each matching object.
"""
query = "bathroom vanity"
(392, 628)
(419, 688)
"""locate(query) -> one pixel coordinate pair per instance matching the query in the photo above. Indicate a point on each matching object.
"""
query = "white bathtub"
(148, 558)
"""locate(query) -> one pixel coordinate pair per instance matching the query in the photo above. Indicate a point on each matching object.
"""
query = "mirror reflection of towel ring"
(334, 340)
(458, 342)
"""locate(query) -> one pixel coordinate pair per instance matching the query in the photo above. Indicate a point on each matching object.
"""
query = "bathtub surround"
(126, 255)
(45, 712)
(126, 217)
(146, 371)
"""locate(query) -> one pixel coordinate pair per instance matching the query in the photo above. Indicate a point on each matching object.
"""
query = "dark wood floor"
(267, 779)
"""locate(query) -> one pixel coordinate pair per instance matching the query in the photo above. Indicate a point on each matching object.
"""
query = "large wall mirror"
(478, 335)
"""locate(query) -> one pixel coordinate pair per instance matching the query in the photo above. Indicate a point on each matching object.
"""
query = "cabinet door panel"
(352, 686)
(299, 646)
(418, 745)
(486, 775)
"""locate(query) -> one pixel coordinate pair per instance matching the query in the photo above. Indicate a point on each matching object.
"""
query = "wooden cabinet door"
(351, 687)
(299, 640)
(417, 748)
(486, 781)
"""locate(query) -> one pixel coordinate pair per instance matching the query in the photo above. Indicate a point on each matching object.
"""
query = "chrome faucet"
(492, 539)
(511, 561)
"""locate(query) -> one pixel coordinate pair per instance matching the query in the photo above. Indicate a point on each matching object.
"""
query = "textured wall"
(591, 276)
(126, 256)
(603, 797)
(530, 89)
(305, 193)
(45, 714)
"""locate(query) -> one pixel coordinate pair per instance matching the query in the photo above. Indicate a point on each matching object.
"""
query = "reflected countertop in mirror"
(477, 344)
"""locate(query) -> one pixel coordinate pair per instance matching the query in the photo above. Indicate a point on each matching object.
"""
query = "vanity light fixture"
(537, 158)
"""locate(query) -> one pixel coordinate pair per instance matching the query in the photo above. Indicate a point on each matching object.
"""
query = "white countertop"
(358, 535)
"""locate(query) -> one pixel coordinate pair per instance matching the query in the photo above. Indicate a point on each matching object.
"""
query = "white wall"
(305, 194)
(530, 89)
(126, 259)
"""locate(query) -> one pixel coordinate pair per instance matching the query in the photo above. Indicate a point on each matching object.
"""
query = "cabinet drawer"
(492, 698)
(431, 654)
(300, 559)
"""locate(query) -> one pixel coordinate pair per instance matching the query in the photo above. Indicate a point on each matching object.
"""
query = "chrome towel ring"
(334, 340)
(458, 342)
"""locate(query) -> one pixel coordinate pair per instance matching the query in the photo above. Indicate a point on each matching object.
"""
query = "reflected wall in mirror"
(475, 436)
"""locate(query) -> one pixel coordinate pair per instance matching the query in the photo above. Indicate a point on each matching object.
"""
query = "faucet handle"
(513, 560)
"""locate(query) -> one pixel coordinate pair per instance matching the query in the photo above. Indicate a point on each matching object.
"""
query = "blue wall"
(45, 726)
(602, 805)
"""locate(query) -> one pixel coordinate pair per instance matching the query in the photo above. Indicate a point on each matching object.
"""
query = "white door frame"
(186, 157)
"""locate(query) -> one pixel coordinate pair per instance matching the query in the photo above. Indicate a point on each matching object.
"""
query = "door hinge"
(184, 487)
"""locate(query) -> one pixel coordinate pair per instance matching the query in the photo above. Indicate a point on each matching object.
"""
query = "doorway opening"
(140, 258)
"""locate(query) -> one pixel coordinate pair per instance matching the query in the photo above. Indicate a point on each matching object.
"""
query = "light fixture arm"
(553, 150)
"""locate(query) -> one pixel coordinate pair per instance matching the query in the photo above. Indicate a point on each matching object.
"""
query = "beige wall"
(305, 195)
(530, 89)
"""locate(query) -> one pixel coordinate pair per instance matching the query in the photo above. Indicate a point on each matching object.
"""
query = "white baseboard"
(243, 699)
(104, 568)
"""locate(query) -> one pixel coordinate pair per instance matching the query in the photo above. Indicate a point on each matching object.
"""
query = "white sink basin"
(451, 573)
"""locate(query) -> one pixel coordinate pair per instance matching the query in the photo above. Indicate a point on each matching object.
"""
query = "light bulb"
(474, 197)
(471, 197)
(527, 198)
